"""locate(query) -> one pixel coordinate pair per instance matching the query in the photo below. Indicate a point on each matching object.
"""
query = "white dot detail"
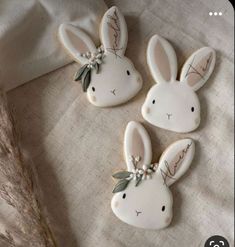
(220, 13)
(210, 13)
(215, 13)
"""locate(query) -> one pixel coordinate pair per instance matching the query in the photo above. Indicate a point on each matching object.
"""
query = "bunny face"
(179, 100)
(135, 206)
(118, 81)
(108, 77)
(142, 196)
(172, 104)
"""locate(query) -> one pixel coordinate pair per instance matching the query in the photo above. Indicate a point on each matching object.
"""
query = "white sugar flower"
(137, 159)
(145, 167)
(94, 58)
(141, 171)
(130, 177)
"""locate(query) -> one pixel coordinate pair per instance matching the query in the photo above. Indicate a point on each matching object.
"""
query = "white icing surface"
(148, 198)
(117, 80)
(113, 86)
(149, 205)
(172, 104)
(172, 107)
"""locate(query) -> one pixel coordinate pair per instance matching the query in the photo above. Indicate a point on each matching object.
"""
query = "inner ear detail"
(137, 145)
(77, 42)
(198, 70)
(162, 61)
(114, 32)
(114, 29)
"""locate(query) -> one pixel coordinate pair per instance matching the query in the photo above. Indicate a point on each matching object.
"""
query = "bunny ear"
(137, 146)
(198, 68)
(161, 60)
(76, 42)
(175, 161)
(114, 34)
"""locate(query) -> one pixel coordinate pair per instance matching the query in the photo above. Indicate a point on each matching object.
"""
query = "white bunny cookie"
(173, 104)
(108, 77)
(142, 196)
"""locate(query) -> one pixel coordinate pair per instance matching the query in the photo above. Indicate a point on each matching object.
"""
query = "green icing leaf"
(138, 180)
(78, 75)
(86, 79)
(122, 174)
(121, 185)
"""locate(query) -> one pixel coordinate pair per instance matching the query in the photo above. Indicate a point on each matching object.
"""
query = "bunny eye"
(124, 196)
(163, 208)
(128, 72)
(93, 89)
(153, 101)
(192, 109)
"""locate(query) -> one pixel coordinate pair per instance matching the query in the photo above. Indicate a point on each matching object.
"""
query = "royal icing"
(142, 197)
(173, 104)
(108, 77)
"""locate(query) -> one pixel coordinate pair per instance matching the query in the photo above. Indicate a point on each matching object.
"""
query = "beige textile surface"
(76, 146)
(28, 35)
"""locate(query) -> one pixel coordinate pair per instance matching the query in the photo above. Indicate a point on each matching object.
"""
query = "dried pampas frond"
(19, 190)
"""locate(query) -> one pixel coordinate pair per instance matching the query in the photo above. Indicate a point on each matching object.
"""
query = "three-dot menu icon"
(215, 13)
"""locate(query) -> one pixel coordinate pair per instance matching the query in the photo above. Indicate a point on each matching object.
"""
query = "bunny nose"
(137, 212)
(169, 116)
(113, 91)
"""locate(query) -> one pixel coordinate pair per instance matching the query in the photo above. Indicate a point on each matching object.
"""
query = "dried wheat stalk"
(19, 190)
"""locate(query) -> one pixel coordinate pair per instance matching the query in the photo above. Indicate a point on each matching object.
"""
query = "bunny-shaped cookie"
(173, 104)
(142, 195)
(108, 77)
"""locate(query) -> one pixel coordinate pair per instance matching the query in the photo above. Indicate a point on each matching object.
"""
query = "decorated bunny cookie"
(108, 77)
(173, 104)
(142, 195)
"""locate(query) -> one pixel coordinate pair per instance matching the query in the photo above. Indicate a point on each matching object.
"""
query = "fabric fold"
(29, 46)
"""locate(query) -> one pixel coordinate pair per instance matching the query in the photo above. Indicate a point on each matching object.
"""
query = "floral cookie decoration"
(107, 76)
(142, 197)
(173, 104)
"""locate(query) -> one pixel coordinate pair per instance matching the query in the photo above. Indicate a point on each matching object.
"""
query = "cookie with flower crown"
(173, 104)
(107, 76)
(142, 196)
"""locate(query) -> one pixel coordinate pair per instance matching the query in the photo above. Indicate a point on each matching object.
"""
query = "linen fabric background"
(29, 46)
(76, 147)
